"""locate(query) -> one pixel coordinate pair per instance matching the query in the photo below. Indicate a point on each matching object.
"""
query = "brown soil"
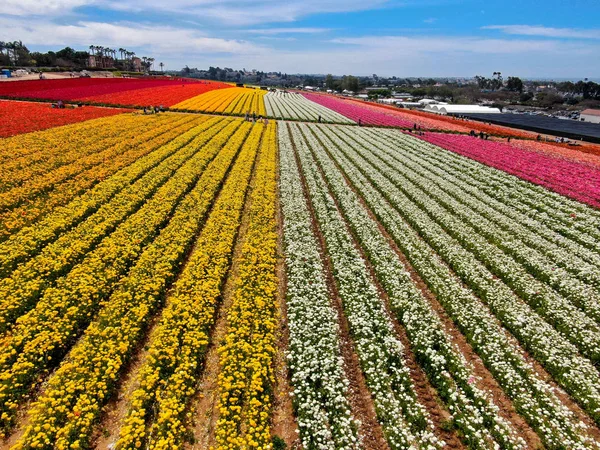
(361, 403)
(21, 424)
(282, 417)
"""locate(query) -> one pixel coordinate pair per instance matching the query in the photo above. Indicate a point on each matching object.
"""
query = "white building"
(590, 115)
(461, 109)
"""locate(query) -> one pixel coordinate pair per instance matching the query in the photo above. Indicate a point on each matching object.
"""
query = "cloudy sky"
(527, 38)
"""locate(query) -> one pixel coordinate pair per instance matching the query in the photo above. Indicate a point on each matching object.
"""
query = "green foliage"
(278, 443)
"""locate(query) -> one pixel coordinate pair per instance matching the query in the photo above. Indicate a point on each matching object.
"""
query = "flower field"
(232, 101)
(569, 178)
(178, 281)
(160, 95)
(25, 117)
(290, 105)
(115, 91)
(357, 112)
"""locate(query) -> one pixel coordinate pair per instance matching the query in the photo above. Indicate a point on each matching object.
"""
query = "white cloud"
(231, 12)
(402, 45)
(538, 30)
(153, 39)
(39, 7)
(430, 20)
(272, 31)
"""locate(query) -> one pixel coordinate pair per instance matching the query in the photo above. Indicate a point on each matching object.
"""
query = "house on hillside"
(590, 115)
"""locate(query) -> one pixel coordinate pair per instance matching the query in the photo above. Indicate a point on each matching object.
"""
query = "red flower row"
(87, 88)
(163, 95)
(24, 117)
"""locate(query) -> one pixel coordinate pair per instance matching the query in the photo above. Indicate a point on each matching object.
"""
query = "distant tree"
(525, 97)
(329, 81)
(514, 84)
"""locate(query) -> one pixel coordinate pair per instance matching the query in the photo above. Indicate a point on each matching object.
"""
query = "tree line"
(16, 54)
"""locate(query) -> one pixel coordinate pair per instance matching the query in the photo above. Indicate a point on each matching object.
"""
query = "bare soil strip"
(361, 403)
(115, 411)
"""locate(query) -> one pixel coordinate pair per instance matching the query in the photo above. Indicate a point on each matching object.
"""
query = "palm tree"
(162, 67)
(131, 56)
(92, 49)
(151, 62)
(121, 51)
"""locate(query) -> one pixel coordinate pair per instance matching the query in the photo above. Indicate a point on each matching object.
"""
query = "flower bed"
(158, 95)
(79, 88)
(24, 117)
(578, 154)
(368, 116)
(569, 178)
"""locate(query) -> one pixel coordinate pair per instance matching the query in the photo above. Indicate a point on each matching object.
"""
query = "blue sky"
(527, 38)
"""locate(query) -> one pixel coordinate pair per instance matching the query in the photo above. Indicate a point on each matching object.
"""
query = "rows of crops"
(236, 101)
(83, 284)
(114, 91)
(201, 281)
(491, 267)
(290, 105)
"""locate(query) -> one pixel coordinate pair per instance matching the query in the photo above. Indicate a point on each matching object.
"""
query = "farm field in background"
(116, 91)
(195, 280)
(291, 105)
(18, 117)
(161, 95)
(233, 101)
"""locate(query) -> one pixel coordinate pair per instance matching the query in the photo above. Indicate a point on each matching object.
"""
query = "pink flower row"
(571, 154)
(356, 112)
(572, 179)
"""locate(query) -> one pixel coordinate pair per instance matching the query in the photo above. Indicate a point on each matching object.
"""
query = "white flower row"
(404, 420)
(575, 373)
(471, 409)
(533, 398)
(569, 217)
(320, 385)
(291, 105)
(572, 270)
(485, 259)
(577, 258)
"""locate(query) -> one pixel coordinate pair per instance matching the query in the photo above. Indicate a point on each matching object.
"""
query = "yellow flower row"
(45, 333)
(246, 357)
(235, 101)
(60, 151)
(19, 291)
(41, 142)
(65, 414)
(24, 204)
(29, 240)
(168, 377)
